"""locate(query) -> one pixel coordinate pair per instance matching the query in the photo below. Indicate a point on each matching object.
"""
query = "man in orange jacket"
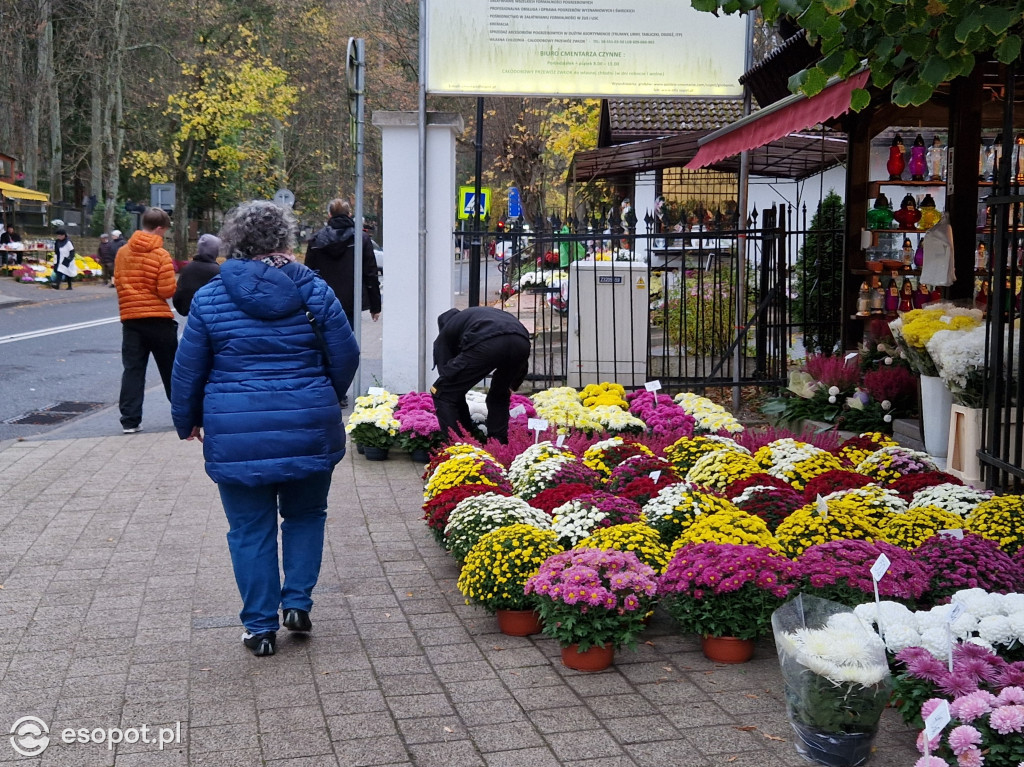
(144, 276)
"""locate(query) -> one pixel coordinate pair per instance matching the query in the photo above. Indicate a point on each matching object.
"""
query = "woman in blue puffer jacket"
(266, 355)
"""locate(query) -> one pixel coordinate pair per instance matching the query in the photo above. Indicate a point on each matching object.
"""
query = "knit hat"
(209, 245)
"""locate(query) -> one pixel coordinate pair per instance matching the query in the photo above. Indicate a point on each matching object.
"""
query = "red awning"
(791, 114)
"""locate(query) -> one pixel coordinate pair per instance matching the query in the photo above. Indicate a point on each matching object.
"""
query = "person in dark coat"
(201, 270)
(266, 355)
(472, 344)
(331, 253)
(105, 254)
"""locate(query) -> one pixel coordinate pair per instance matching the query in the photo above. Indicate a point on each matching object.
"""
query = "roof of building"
(624, 120)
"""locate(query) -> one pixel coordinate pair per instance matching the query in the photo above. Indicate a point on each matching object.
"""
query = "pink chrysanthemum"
(969, 707)
(963, 738)
(1011, 696)
(972, 757)
(1007, 719)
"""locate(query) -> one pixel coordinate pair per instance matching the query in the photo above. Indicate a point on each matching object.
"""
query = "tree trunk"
(181, 212)
(48, 85)
(96, 137)
(113, 118)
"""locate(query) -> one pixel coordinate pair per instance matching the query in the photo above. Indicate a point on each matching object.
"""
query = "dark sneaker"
(294, 619)
(262, 645)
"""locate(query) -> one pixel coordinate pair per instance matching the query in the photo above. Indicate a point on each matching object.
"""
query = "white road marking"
(58, 329)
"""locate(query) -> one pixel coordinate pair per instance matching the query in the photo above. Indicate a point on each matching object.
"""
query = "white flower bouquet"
(959, 356)
(373, 426)
(836, 678)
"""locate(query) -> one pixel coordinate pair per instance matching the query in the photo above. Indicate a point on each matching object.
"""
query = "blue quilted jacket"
(250, 371)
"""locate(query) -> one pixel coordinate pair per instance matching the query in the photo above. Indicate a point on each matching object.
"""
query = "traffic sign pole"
(474, 257)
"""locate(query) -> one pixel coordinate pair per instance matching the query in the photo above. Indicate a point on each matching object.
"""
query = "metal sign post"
(356, 69)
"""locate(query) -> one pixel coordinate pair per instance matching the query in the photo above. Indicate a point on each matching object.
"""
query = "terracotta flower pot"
(727, 649)
(518, 623)
(597, 658)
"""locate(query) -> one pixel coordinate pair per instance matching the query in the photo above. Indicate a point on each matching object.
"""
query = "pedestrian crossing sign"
(467, 201)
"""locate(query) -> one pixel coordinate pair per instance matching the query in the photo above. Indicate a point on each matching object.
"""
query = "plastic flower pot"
(420, 455)
(727, 649)
(518, 623)
(597, 658)
(831, 749)
(375, 453)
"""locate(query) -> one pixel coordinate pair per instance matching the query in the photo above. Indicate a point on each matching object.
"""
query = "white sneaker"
(133, 430)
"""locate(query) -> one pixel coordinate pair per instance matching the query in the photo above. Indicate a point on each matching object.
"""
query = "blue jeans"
(252, 539)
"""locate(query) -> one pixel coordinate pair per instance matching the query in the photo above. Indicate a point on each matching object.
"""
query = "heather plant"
(894, 384)
(833, 370)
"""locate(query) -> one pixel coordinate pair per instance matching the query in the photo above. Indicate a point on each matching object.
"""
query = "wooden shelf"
(899, 231)
(874, 186)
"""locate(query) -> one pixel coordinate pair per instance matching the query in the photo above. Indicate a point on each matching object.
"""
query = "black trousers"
(507, 356)
(140, 338)
(58, 276)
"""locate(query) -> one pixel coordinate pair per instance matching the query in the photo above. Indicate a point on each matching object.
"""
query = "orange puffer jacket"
(144, 275)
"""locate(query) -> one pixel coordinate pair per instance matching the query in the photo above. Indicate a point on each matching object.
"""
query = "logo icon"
(30, 736)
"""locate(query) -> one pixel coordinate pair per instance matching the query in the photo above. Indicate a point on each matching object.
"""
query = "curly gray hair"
(256, 228)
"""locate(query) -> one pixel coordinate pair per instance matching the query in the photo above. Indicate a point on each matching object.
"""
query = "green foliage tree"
(912, 45)
(819, 277)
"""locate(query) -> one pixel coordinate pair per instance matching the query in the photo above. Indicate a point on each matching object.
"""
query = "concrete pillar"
(405, 300)
(644, 197)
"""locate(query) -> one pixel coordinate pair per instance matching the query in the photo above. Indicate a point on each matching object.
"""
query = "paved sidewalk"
(119, 609)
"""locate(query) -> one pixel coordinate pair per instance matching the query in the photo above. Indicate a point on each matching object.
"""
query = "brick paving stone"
(120, 608)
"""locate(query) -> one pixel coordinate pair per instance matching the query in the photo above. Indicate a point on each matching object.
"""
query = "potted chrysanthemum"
(496, 571)
(373, 427)
(592, 602)
(836, 678)
(726, 593)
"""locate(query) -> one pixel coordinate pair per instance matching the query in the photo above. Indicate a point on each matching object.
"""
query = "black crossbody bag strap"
(319, 337)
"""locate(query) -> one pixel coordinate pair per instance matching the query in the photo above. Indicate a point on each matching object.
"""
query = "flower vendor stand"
(936, 405)
(836, 678)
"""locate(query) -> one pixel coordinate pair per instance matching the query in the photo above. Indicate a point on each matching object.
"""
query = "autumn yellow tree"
(221, 124)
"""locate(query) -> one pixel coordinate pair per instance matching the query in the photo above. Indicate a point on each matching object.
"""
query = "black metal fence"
(1003, 434)
(692, 309)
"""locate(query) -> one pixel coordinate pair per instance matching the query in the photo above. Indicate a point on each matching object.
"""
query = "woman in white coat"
(64, 266)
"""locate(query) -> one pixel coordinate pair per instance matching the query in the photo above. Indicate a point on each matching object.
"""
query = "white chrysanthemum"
(936, 641)
(977, 602)
(937, 617)
(964, 626)
(1011, 603)
(694, 403)
(867, 612)
(996, 629)
(957, 499)
(843, 656)
(900, 636)
(980, 642)
(1017, 624)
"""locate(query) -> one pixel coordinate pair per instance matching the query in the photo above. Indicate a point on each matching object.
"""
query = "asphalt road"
(65, 347)
(60, 347)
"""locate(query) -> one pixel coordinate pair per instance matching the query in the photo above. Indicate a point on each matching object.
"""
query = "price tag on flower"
(517, 411)
(935, 723)
(560, 441)
(955, 532)
(878, 571)
(851, 355)
(652, 386)
(956, 610)
(536, 425)
(655, 475)
(375, 391)
(946, 319)
(822, 507)
(880, 567)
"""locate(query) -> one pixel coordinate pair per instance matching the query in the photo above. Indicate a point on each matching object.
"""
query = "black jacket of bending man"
(472, 344)
(331, 252)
